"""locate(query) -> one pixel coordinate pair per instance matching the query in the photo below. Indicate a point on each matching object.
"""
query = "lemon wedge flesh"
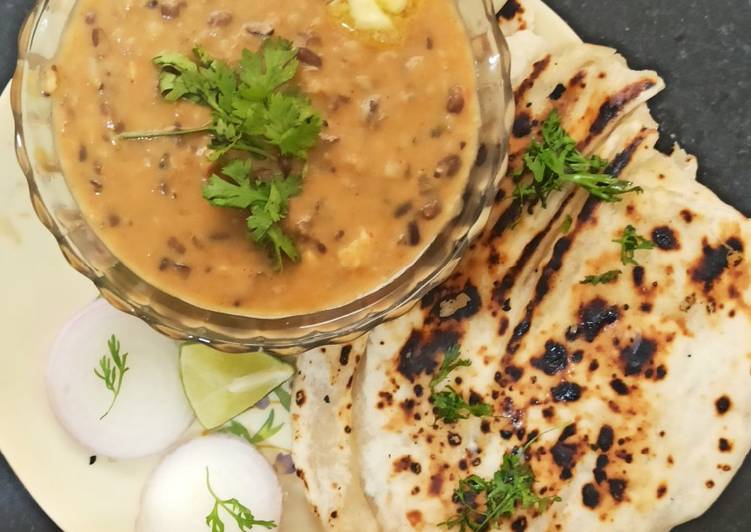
(219, 386)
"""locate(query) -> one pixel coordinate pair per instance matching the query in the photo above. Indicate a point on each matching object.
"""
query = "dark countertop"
(701, 48)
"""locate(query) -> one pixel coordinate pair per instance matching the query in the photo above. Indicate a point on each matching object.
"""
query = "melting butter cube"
(394, 6)
(374, 15)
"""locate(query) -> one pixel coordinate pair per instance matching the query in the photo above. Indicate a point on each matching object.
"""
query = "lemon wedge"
(219, 386)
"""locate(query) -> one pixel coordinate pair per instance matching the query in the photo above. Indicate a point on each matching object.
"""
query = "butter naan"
(649, 374)
(322, 446)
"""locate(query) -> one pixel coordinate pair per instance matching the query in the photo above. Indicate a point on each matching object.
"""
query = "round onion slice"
(150, 412)
(177, 496)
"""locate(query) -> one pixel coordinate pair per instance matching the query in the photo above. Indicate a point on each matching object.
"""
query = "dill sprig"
(112, 370)
(240, 513)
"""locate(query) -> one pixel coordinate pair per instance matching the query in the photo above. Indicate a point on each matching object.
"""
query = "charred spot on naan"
(638, 356)
(513, 17)
(537, 69)
(510, 9)
(665, 239)
(725, 445)
(542, 287)
(557, 92)
(619, 387)
(422, 350)
(405, 463)
(637, 274)
(565, 453)
(448, 302)
(625, 156)
(715, 260)
(566, 392)
(722, 405)
(599, 472)
(590, 496)
(614, 107)
(300, 397)
(594, 317)
(506, 219)
(523, 124)
(687, 216)
(617, 487)
(301, 475)
(344, 354)
(554, 360)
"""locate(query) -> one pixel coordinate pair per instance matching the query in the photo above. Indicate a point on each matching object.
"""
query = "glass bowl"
(59, 212)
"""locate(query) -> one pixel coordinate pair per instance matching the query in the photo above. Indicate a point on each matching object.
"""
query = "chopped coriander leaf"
(566, 225)
(630, 241)
(448, 404)
(267, 202)
(485, 503)
(112, 370)
(263, 72)
(254, 109)
(242, 515)
(451, 361)
(605, 278)
(554, 161)
(293, 124)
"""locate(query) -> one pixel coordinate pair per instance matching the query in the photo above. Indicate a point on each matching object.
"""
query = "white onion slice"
(151, 411)
(176, 496)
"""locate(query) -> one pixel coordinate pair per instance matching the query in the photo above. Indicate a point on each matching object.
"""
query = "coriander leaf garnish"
(266, 431)
(255, 110)
(240, 513)
(293, 125)
(267, 202)
(112, 370)
(484, 503)
(630, 241)
(263, 72)
(451, 361)
(605, 278)
(566, 225)
(448, 404)
(554, 161)
(254, 107)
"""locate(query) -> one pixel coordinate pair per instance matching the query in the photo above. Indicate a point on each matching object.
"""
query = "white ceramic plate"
(39, 292)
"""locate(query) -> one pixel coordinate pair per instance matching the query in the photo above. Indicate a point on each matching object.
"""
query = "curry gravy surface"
(385, 177)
